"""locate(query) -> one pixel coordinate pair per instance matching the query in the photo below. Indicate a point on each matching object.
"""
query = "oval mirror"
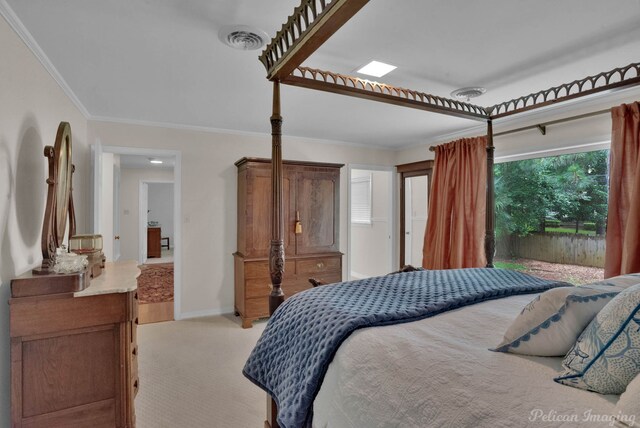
(62, 189)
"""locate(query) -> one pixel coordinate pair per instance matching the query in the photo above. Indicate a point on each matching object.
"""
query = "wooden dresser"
(154, 249)
(311, 194)
(74, 355)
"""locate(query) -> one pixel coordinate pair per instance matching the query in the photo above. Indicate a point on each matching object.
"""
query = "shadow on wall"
(30, 184)
(230, 218)
(7, 271)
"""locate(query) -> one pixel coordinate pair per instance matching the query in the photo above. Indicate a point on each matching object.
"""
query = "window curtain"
(454, 236)
(623, 224)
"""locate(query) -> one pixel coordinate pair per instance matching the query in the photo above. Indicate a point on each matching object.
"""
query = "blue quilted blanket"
(301, 338)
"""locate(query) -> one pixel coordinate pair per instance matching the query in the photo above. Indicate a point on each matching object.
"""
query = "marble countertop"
(116, 277)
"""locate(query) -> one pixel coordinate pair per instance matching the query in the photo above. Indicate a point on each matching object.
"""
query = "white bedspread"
(438, 372)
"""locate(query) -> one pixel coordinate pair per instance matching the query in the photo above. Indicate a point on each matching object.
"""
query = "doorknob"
(117, 237)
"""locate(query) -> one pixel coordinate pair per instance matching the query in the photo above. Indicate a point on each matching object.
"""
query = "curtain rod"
(542, 127)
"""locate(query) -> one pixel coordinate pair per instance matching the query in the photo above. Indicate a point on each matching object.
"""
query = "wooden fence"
(565, 248)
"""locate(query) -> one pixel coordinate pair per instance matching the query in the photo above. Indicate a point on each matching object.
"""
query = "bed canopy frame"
(315, 21)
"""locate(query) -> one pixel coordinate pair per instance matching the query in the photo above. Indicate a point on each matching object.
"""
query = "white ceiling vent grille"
(465, 94)
(243, 37)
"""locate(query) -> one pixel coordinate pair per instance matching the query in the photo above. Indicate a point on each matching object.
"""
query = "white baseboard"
(357, 275)
(204, 313)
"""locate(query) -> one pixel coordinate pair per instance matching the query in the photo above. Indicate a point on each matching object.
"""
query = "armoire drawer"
(257, 287)
(261, 269)
(257, 307)
(318, 265)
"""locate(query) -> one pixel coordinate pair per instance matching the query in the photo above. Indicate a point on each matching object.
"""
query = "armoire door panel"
(258, 226)
(317, 203)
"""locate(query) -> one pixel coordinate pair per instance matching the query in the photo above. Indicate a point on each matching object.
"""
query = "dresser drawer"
(319, 265)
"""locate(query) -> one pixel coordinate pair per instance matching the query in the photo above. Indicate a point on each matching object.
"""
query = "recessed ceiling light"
(155, 161)
(376, 69)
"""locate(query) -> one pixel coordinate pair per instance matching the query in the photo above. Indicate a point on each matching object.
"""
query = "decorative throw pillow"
(550, 324)
(606, 357)
(627, 411)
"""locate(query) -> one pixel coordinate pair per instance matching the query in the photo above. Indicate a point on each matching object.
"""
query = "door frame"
(98, 149)
(390, 214)
(143, 215)
(408, 170)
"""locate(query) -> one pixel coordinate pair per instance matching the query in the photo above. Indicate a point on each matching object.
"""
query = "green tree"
(570, 188)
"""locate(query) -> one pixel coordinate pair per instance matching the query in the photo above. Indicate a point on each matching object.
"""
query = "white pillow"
(550, 324)
(627, 411)
(606, 356)
(619, 282)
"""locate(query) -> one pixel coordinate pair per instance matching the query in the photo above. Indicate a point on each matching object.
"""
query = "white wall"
(129, 205)
(370, 250)
(106, 205)
(161, 208)
(209, 194)
(32, 107)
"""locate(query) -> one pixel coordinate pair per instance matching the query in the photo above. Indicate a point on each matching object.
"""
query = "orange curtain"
(454, 237)
(623, 225)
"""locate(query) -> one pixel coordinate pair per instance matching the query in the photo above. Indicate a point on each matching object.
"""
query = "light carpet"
(191, 375)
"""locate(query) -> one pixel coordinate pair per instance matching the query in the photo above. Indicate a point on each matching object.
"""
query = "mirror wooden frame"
(59, 204)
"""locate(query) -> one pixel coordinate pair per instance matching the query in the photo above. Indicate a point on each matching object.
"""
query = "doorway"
(370, 221)
(135, 167)
(415, 183)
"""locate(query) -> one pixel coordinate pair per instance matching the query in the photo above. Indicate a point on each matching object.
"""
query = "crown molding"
(16, 24)
(212, 130)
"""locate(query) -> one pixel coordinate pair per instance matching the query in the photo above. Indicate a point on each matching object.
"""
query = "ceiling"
(160, 61)
(138, 161)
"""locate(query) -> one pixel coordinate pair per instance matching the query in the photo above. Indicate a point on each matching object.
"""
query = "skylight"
(376, 69)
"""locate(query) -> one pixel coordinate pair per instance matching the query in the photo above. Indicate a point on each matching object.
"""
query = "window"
(361, 199)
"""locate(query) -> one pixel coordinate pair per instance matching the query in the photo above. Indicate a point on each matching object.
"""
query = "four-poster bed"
(312, 23)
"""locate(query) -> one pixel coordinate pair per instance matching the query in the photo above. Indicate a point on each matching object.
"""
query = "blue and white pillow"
(606, 357)
(550, 324)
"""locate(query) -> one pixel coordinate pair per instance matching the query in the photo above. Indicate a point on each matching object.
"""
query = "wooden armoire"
(311, 196)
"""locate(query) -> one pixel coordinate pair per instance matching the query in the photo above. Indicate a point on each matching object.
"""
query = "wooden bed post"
(490, 224)
(276, 251)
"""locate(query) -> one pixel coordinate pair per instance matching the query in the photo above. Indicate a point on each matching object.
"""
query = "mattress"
(438, 372)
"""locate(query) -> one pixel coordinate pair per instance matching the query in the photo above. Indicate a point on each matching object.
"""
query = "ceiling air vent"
(243, 37)
(465, 94)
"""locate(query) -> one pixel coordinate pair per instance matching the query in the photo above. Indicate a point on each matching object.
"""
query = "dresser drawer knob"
(320, 265)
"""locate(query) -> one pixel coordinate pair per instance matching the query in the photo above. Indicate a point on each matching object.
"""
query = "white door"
(370, 223)
(116, 211)
(408, 203)
(418, 219)
(143, 216)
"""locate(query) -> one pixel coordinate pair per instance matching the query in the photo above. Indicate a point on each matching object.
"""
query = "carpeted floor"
(191, 375)
(155, 283)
